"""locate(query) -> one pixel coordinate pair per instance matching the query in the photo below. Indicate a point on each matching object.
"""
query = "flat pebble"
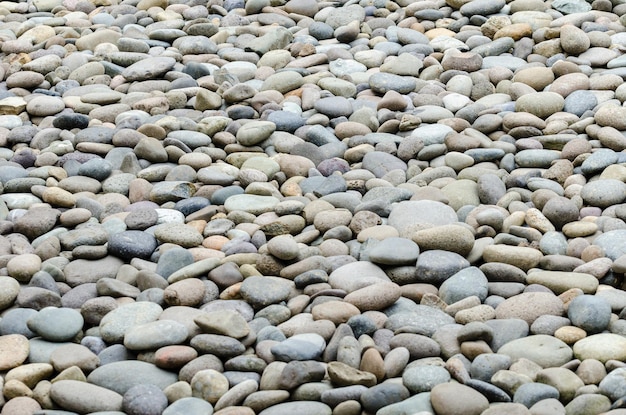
(56, 324)
(544, 350)
(472, 403)
(70, 394)
(602, 347)
(15, 349)
(123, 375)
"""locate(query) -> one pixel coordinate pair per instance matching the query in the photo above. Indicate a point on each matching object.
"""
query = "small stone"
(561, 281)
(300, 347)
(452, 238)
(155, 334)
(302, 408)
(529, 394)
(122, 375)
(564, 380)
(589, 402)
(70, 395)
(394, 251)
(223, 322)
(590, 313)
(467, 400)
(466, 283)
(132, 244)
(424, 378)
(14, 350)
(144, 400)
(343, 375)
(377, 296)
(521, 257)
(56, 324)
(530, 306)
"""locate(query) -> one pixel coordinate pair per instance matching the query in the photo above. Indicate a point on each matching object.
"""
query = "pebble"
(15, 349)
(529, 394)
(300, 347)
(530, 306)
(394, 251)
(144, 399)
(155, 334)
(56, 324)
(561, 281)
(466, 283)
(305, 408)
(602, 347)
(424, 378)
(589, 313)
(542, 349)
(123, 375)
(114, 324)
(469, 400)
(70, 395)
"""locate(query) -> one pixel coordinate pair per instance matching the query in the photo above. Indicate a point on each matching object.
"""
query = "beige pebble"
(522, 257)
(379, 232)
(336, 311)
(453, 238)
(534, 218)
(9, 290)
(579, 229)
(30, 374)
(187, 292)
(377, 296)
(570, 334)
(481, 312)
(14, 349)
(372, 362)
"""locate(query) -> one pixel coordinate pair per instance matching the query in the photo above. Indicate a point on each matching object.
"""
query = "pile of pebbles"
(309, 207)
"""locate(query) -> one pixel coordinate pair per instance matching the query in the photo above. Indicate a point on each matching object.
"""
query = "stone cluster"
(281, 207)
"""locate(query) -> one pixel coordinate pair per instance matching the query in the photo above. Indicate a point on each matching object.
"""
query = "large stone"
(602, 347)
(123, 375)
(546, 351)
(83, 397)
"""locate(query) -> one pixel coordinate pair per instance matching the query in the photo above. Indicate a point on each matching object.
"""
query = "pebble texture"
(312, 207)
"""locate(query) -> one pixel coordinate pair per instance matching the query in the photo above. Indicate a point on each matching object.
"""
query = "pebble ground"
(309, 207)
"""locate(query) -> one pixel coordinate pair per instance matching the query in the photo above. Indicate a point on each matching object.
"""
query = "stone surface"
(322, 207)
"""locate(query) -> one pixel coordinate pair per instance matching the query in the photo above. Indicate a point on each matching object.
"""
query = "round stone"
(467, 401)
(70, 395)
(302, 408)
(132, 244)
(466, 283)
(57, 324)
(424, 378)
(602, 347)
(209, 385)
(528, 394)
(590, 313)
(383, 395)
(155, 334)
(43, 106)
(530, 306)
(546, 351)
(541, 104)
(9, 289)
(604, 192)
(146, 399)
(14, 349)
(23, 267)
(263, 291)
